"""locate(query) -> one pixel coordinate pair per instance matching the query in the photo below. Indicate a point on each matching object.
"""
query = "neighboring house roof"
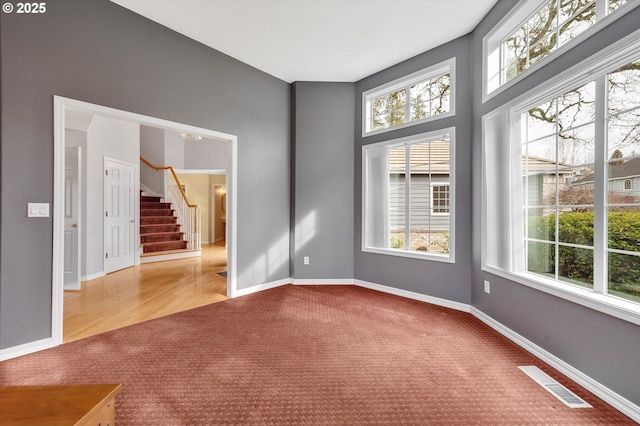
(432, 157)
(543, 165)
(625, 170)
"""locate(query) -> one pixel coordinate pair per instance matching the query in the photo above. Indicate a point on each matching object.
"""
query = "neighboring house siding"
(421, 217)
(618, 185)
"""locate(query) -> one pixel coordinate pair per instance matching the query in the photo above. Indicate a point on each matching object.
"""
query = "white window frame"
(422, 137)
(448, 66)
(501, 247)
(491, 44)
(433, 212)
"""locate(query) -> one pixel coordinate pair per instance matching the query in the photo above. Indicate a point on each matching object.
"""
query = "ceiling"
(317, 40)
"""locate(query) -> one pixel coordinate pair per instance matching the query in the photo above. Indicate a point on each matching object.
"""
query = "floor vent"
(556, 389)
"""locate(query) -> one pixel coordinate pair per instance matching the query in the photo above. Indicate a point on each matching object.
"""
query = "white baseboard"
(170, 256)
(25, 349)
(342, 281)
(415, 296)
(620, 403)
(617, 401)
(261, 287)
(93, 276)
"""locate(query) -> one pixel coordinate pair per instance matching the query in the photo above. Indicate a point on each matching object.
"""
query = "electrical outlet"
(487, 287)
(306, 260)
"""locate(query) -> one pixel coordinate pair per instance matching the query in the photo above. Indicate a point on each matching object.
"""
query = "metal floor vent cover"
(556, 389)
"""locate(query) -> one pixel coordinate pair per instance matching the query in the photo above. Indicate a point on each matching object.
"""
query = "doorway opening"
(68, 109)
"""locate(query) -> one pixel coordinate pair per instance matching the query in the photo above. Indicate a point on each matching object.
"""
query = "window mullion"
(600, 264)
(556, 245)
(407, 198)
(601, 9)
(407, 104)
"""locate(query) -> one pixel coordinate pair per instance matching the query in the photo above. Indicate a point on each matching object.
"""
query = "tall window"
(538, 28)
(408, 196)
(565, 161)
(419, 97)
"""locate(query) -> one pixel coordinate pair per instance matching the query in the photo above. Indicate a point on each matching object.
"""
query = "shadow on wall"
(265, 267)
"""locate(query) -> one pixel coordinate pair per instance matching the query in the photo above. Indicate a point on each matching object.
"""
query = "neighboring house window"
(417, 98)
(408, 194)
(440, 199)
(536, 29)
(555, 215)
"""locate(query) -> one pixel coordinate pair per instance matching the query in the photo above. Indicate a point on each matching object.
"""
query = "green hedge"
(577, 264)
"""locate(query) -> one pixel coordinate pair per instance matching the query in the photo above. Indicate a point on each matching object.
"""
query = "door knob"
(75, 225)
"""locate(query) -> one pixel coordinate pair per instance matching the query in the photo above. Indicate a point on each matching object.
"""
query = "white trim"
(26, 349)
(262, 287)
(333, 281)
(499, 32)
(464, 307)
(619, 53)
(170, 256)
(93, 276)
(408, 253)
(62, 104)
(433, 71)
(449, 132)
(607, 304)
(610, 397)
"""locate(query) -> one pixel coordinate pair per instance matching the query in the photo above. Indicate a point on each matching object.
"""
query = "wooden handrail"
(175, 177)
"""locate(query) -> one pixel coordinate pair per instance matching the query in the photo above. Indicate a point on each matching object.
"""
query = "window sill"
(610, 305)
(366, 133)
(411, 254)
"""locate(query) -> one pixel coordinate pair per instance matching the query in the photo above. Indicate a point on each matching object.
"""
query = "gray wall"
(322, 185)
(432, 278)
(599, 345)
(98, 52)
(152, 150)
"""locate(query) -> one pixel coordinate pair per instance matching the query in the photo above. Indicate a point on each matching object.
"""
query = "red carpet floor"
(312, 355)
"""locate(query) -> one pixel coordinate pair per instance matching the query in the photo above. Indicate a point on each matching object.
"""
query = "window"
(440, 199)
(560, 213)
(408, 194)
(417, 98)
(536, 29)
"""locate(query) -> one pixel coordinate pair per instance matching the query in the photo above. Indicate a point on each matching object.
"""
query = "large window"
(416, 98)
(565, 161)
(408, 194)
(535, 29)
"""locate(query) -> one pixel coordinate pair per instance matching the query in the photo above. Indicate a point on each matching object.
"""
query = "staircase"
(159, 230)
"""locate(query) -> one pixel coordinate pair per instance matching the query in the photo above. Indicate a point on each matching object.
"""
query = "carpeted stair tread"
(159, 230)
(154, 205)
(156, 212)
(159, 227)
(150, 198)
(163, 246)
(156, 237)
(153, 220)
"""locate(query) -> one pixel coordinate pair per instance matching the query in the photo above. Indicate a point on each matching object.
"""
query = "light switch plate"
(37, 209)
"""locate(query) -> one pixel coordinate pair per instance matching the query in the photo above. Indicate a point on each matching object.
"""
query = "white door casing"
(72, 225)
(60, 107)
(120, 215)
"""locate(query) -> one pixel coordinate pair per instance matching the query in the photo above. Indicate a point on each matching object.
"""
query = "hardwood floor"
(144, 292)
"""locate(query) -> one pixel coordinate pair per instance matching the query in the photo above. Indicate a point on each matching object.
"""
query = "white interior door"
(119, 220)
(72, 249)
